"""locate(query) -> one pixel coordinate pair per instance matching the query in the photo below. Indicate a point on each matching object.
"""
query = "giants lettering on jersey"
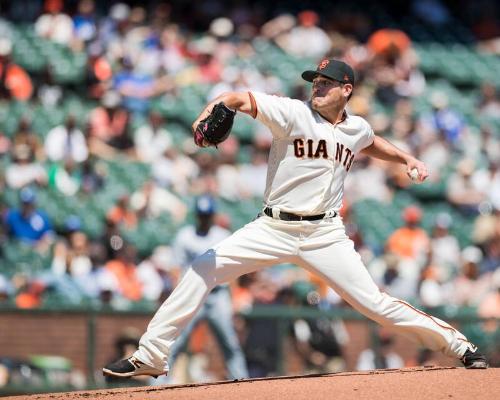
(347, 159)
(309, 149)
(313, 151)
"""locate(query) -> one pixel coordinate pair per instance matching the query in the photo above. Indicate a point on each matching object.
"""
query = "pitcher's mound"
(408, 384)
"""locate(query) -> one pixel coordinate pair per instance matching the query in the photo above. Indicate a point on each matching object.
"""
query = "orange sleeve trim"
(253, 105)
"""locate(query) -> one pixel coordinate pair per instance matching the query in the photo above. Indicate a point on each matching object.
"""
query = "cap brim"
(309, 75)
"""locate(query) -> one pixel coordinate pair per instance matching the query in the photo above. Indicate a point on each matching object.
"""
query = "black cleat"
(131, 367)
(474, 360)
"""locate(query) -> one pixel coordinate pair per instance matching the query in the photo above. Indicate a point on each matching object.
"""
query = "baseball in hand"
(414, 176)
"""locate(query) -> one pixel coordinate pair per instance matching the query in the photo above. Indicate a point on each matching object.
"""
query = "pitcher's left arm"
(385, 150)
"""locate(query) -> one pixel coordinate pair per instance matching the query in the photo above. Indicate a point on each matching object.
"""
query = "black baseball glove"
(215, 128)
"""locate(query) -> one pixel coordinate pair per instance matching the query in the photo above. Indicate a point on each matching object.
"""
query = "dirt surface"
(408, 384)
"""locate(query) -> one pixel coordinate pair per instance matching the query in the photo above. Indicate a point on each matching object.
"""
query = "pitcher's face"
(328, 92)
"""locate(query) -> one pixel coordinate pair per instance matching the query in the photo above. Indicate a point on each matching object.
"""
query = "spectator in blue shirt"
(29, 224)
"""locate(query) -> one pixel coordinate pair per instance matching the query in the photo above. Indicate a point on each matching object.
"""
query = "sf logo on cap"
(323, 64)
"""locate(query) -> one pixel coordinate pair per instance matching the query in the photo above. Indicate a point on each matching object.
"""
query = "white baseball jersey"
(309, 157)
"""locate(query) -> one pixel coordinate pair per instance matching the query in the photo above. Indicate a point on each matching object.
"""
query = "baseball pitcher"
(313, 149)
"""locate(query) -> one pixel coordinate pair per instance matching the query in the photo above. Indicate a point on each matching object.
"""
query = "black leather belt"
(286, 216)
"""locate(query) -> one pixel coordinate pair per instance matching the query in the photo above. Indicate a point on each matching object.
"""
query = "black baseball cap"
(333, 69)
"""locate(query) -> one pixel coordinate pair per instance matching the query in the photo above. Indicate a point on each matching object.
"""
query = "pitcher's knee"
(379, 304)
(205, 267)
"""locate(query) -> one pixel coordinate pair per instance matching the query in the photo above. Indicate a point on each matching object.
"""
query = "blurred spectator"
(433, 291)
(158, 274)
(98, 73)
(49, 93)
(463, 190)
(491, 261)
(410, 241)
(109, 120)
(66, 142)
(54, 25)
(307, 39)
(73, 257)
(28, 223)
(445, 120)
(152, 139)
(15, 83)
(112, 239)
(65, 178)
(252, 177)
(445, 250)
(486, 227)
(6, 289)
(175, 170)
(93, 175)
(30, 295)
(84, 21)
(122, 213)
(24, 170)
(152, 200)
(136, 87)
(469, 288)
(24, 136)
(431, 11)
(489, 103)
(382, 357)
(395, 275)
(124, 270)
(490, 305)
(489, 144)
(317, 340)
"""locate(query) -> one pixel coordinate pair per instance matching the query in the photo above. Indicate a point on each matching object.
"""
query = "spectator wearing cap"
(15, 83)
(193, 241)
(29, 224)
(470, 288)
(410, 241)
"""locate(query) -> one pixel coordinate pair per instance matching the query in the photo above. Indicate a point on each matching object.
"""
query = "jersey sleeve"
(276, 112)
(367, 138)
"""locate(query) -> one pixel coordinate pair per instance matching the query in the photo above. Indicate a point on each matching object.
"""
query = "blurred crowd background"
(99, 169)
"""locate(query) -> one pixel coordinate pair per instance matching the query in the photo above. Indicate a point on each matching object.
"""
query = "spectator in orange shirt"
(122, 213)
(124, 269)
(14, 81)
(410, 241)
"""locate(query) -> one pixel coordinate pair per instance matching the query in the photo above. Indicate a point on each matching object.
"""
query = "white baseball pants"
(321, 247)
